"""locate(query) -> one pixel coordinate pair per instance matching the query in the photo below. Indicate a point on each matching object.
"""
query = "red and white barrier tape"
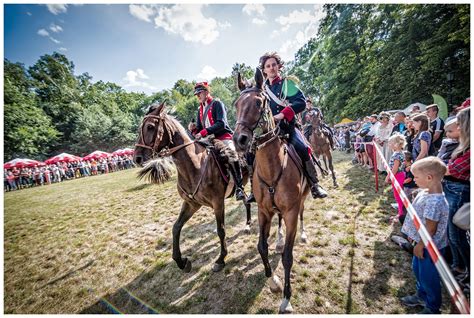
(447, 277)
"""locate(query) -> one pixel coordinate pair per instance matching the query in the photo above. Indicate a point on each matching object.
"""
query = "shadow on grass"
(139, 187)
(165, 289)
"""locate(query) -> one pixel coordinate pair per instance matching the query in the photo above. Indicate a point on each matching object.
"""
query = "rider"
(287, 100)
(308, 128)
(212, 119)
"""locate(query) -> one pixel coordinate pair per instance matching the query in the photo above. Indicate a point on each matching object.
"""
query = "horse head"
(154, 134)
(315, 118)
(251, 111)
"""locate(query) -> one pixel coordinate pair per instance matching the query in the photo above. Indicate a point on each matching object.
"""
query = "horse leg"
(325, 162)
(304, 237)
(332, 171)
(264, 222)
(291, 223)
(249, 221)
(187, 210)
(220, 219)
(280, 243)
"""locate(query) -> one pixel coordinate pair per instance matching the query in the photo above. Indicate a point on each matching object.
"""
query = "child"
(396, 143)
(432, 208)
(451, 141)
(409, 185)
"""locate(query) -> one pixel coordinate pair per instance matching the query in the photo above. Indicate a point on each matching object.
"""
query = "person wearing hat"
(308, 128)
(212, 120)
(287, 100)
(436, 126)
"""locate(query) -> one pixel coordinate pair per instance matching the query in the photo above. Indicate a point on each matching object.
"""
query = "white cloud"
(135, 79)
(207, 73)
(143, 12)
(258, 21)
(251, 9)
(57, 8)
(188, 21)
(54, 40)
(224, 25)
(63, 49)
(29, 13)
(43, 32)
(311, 19)
(55, 28)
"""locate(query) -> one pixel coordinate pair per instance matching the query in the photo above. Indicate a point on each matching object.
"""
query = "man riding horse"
(308, 128)
(212, 119)
(287, 100)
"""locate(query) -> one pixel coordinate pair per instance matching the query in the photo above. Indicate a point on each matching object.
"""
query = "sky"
(148, 47)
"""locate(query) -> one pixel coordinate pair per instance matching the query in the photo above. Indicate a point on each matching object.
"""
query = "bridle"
(264, 123)
(160, 131)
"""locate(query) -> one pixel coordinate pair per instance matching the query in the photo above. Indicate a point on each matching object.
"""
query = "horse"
(200, 180)
(320, 144)
(279, 185)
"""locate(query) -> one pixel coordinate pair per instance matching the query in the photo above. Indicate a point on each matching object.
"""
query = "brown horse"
(320, 143)
(278, 184)
(200, 182)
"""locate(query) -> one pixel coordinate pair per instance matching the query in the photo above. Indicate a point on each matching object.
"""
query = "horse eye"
(150, 127)
(258, 103)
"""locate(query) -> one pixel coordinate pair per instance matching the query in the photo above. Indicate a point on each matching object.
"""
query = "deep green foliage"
(365, 58)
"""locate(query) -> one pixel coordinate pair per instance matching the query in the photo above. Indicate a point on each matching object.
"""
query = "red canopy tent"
(122, 152)
(21, 163)
(97, 155)
(64, 157)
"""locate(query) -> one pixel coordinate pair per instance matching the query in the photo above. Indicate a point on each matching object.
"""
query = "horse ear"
(161, 108)
(259, 78)
(240, 83)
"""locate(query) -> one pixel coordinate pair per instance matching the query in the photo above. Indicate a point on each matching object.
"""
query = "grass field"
(103, 244)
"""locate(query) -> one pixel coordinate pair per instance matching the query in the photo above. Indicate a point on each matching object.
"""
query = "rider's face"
(271, 68)
(202, 96)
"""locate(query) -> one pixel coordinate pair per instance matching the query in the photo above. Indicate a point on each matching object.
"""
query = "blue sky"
(149, 47)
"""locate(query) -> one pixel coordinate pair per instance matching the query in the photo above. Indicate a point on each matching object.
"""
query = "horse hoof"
(285, 307)
(304, 238)
(247, 229)
(217, 267)
(336, 185)
(187, 266)
(275, 284)
(279, 248)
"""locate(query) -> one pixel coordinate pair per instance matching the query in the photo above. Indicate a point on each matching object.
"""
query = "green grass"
(69, 247)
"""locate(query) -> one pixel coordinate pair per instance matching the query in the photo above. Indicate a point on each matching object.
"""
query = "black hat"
(200, 87)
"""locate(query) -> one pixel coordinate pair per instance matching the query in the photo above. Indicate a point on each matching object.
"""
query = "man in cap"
(212, 119)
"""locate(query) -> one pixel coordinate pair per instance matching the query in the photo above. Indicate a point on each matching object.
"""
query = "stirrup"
(239, 194)
(250, 198)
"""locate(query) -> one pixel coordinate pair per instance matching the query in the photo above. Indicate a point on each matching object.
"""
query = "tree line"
(364, 58)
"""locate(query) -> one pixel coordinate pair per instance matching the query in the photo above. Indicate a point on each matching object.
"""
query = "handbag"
(462, 217)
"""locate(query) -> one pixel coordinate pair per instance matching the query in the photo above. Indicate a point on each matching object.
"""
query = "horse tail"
(156, 171)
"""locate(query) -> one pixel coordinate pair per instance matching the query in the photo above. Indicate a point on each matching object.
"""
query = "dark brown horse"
(320, 143)
(278, 185)
(200, 182)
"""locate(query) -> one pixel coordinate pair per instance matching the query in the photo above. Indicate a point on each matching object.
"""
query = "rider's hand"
(279, 116)
(198, 136)
(191, 126)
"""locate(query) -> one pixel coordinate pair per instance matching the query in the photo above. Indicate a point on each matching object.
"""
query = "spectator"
(437, 128)
(400, 125)
(422, 139)
(409, 184)
(456, 186)
(381, 137)
(415, 110)
(369, 149)
(397, 143)
(450, 142)
(11, 180)
(409, 134)
(432, 208)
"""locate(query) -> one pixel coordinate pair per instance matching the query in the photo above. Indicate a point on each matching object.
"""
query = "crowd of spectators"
(418, 146)
(16, 179)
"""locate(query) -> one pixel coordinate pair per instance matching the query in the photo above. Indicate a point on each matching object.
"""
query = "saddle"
(223, 156)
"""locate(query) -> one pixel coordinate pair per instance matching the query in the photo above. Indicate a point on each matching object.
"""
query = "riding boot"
(237, 175)
(316, 190)
(251, 197)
